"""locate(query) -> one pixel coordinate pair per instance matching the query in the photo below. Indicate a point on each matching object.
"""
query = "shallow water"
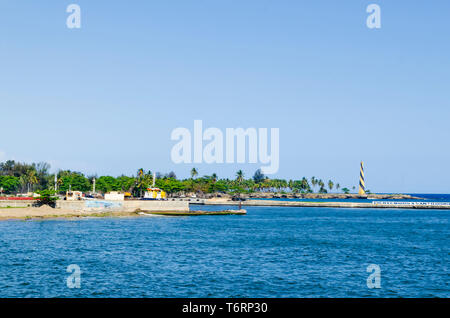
(270, 252)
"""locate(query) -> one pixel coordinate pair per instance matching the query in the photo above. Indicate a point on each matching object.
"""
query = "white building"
(114, 196)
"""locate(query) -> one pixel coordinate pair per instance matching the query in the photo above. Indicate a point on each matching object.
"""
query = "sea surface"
(420, 198)
(270, 252)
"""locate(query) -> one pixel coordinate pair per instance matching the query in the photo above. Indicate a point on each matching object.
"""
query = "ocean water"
(423, 198)
(270, 252)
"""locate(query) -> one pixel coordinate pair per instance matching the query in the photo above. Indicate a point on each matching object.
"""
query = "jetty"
(196, 213)
(330, 204)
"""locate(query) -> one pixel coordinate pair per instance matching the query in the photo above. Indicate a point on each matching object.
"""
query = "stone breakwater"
(375, 205)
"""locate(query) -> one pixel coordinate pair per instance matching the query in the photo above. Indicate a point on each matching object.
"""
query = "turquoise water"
(270, 252)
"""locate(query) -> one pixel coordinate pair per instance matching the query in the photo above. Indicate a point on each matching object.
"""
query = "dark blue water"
(433, 197)
(271, 252)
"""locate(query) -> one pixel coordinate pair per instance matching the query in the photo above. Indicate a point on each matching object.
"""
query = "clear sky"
(105, 98)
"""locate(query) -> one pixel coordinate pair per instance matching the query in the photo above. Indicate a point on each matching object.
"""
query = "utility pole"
(93, 187)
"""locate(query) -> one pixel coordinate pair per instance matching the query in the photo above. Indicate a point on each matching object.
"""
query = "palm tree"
(194, 173)
(313, 182)
(338, 186)
(305, 185)
(239, 179)
(330, 185)
(143, 181)
(239, 176)
(214, 177)
(23, 182)
(320, 183)
(32, 179)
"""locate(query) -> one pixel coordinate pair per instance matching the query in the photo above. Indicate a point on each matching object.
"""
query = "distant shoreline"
(330, 204)
(275, 195)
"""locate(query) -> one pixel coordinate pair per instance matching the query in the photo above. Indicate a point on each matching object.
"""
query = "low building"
(74, 195)
(114, 196)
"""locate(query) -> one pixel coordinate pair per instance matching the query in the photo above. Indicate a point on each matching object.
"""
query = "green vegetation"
(47, 197)
(16, 177)
(9, 184)
(12, 207)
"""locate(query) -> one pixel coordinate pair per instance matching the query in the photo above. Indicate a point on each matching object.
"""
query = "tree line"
(17, 177)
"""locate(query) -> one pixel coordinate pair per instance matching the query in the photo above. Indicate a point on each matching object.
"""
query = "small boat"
(154, 194)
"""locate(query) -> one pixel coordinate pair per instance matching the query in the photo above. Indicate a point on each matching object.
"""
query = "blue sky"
(105, 98)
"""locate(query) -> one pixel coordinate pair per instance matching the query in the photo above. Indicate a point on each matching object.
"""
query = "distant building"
(74, 195)
(114, 196)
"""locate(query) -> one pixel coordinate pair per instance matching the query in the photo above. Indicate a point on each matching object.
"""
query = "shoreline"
(273, 195)
(378, 205)
(46, 212)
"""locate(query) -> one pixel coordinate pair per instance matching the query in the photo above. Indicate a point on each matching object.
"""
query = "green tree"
(330, 185)
(194, 173)
(75, 181)
(106, 184)
(47, 197)
(125, 183)
(258, 177)
(239, 176)
(31, 179)
(10, 184)
(313, 183)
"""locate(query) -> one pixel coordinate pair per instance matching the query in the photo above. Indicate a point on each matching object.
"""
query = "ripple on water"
(270, 252)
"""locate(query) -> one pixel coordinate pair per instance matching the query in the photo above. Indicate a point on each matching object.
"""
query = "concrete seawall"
(124, 206)
(103, 205)
(16, 203)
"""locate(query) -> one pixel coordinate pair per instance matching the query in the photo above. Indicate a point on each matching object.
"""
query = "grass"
(13, 207)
